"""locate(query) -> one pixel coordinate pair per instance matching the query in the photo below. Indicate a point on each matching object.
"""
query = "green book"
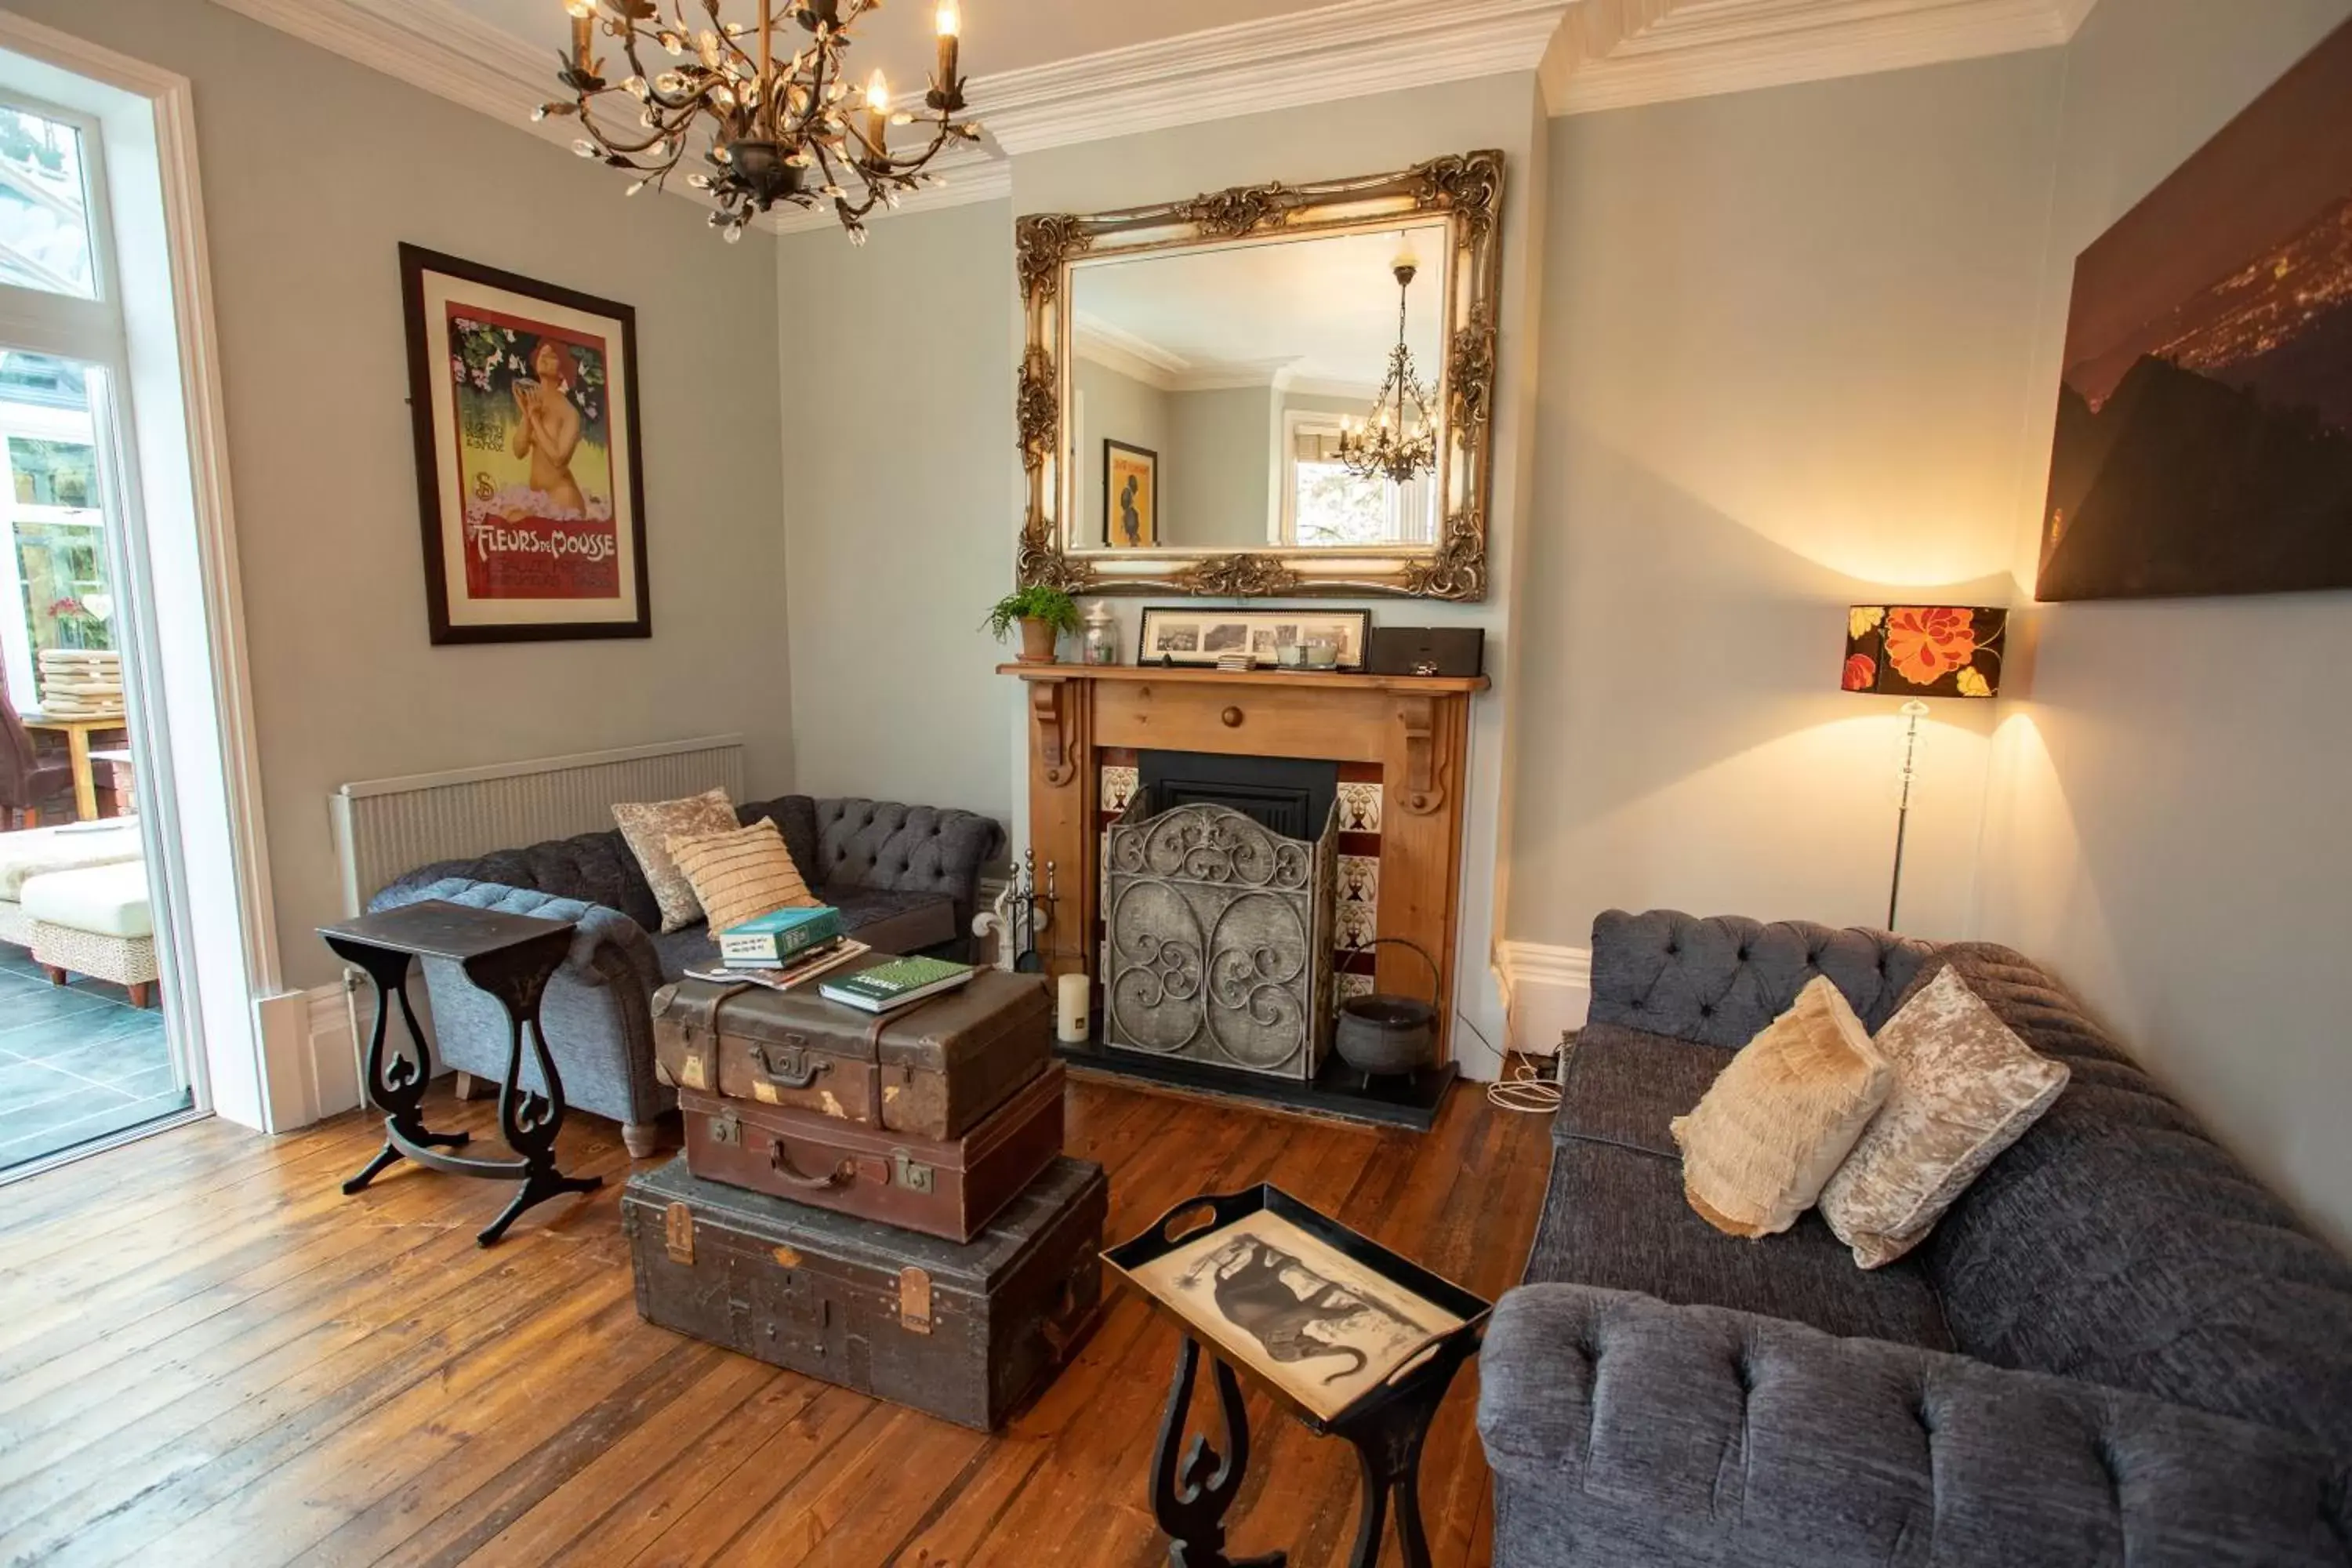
(895, 983)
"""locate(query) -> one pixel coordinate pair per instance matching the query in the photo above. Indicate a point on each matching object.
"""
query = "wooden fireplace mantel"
(1416, 728)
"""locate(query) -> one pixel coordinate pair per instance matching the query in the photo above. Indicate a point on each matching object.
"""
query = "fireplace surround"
(1402, 739)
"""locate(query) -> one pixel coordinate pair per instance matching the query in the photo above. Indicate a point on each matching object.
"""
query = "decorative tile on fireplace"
(1357, 925)
(1117, 788)
(1360, 807)
(1360, 881)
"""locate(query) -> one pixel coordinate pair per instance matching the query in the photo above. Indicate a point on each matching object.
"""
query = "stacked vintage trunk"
(879, 1202)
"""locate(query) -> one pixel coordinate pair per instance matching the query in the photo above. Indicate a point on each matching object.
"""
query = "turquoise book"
(773, 939)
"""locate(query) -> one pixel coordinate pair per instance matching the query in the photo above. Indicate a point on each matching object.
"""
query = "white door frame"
(205, 765)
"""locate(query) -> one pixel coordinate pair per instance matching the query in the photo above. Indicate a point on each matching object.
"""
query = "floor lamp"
(1918, 651)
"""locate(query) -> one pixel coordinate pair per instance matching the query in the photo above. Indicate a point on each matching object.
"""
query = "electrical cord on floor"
(1525, 1088)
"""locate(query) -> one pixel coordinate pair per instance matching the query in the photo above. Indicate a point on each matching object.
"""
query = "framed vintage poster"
(529, 479)
(1130, 496)
(1181, 634)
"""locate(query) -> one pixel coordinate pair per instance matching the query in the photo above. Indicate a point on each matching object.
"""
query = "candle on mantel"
(878, 117)
(951, 23)
(1074, 1017)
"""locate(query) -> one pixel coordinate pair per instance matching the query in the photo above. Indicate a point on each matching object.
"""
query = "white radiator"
(385, 827)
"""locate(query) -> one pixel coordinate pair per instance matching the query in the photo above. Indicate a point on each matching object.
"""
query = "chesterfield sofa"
(904, 878)
(2117, 1348)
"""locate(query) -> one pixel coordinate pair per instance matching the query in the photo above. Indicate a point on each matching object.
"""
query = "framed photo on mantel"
(529, 482)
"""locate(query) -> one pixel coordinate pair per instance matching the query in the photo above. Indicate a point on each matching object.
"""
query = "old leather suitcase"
(947, 1187)
(929, 1070)
(967, 1332)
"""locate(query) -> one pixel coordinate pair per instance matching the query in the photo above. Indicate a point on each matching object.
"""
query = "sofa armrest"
(1730, 1437)
(607, 946)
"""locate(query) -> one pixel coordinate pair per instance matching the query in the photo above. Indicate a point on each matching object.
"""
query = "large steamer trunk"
(945, 1187)
(929, 1070)
(966, 1332)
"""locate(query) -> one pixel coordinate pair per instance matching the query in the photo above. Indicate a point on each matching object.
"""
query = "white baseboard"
(1545, 991)
(339, 1016)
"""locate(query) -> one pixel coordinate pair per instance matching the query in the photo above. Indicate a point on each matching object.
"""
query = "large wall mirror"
(1270, 389)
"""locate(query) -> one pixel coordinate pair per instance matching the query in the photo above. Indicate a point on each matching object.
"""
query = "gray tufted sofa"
(906, 878)
(2117, 1349)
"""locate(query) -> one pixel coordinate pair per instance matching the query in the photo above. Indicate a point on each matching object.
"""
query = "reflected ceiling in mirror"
(1210, 389)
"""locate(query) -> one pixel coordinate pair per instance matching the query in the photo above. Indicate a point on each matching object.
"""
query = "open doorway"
(88, 1049)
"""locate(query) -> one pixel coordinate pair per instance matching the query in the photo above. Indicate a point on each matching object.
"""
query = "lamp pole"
(1913, 711)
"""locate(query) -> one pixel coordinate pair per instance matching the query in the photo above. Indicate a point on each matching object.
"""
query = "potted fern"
(1042, 614)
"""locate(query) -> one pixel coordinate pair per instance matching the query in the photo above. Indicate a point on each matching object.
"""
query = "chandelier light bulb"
(949, 21)
(878, 93)
(581, 9)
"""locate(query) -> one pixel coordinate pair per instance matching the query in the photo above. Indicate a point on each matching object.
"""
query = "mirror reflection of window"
(1326, 505)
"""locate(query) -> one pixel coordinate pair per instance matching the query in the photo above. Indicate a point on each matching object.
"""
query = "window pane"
(1335, 507)
(53, 473)
(44, 207)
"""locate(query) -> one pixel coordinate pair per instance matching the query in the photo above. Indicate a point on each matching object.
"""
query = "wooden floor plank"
(208, 1353)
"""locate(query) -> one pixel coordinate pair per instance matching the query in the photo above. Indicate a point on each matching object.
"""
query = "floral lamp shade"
(1924, 650)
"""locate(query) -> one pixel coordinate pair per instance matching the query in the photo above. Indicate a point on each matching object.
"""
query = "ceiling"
(1046, 73)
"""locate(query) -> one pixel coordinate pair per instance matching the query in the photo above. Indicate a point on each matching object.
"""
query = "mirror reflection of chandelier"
(1400, 439)
(779, 129)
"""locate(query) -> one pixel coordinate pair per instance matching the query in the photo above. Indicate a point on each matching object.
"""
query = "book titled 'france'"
(775, 937)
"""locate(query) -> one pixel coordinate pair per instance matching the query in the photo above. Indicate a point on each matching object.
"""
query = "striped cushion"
(742, 875)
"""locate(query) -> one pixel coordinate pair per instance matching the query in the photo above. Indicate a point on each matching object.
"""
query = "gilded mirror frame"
(1467, 188)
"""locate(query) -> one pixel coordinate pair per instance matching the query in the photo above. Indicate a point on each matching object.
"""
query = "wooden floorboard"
(209, 1354)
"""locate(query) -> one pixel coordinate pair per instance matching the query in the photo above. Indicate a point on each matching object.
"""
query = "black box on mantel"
(1426, 650)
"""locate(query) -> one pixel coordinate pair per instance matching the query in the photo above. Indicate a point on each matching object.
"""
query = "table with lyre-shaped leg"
(512, 957)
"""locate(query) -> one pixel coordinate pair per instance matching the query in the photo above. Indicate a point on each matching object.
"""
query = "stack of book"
(783, 949)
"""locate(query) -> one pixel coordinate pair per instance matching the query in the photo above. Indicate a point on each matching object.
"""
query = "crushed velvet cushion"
(649, 826)
(741, 874)
(1965, 1088)
(1778, 1122)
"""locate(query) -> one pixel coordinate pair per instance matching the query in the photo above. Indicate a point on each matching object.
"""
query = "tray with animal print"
(1321, 1317)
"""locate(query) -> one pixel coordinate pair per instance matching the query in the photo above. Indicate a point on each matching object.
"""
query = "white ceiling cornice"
(1617, 53)
(1347, 50)
(1591, 55)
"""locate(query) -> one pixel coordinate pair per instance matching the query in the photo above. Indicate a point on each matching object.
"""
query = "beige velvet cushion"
(742, 875)
(1965, 1088)
(1777, 1122)
(649, 826)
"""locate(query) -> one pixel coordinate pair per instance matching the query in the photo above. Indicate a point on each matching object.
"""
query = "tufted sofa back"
(871, 843)
(1716, 981)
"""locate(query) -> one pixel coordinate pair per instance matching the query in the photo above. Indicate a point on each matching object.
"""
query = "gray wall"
(1786, 338)
(314, 170)
(2169, 823)
(899, 498)
(1115, 406)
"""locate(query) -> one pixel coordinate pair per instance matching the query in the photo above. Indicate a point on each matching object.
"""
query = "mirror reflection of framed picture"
(1130, 496)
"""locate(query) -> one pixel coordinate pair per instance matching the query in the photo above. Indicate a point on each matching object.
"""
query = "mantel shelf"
(1424, 685)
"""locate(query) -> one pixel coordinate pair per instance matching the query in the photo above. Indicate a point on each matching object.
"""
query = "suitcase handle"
(780, 1162)
(788, 1066)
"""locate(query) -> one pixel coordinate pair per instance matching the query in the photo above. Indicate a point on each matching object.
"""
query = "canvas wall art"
(2204, 441)
(523, 398)
(1130, 496)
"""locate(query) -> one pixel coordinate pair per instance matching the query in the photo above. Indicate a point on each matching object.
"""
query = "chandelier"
(1400, 439)
(780, 126)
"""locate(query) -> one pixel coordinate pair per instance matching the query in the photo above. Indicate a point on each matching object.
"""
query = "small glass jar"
(1101, 641)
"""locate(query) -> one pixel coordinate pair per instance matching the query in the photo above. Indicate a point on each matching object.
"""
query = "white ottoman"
(42, 850)
(95, 921)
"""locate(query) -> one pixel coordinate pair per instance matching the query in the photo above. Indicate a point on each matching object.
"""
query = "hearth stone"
(1217, 946)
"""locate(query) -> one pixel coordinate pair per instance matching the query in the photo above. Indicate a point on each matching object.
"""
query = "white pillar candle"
(1075, 991)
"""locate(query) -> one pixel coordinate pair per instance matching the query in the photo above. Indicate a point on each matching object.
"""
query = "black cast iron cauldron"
(1380, 1035)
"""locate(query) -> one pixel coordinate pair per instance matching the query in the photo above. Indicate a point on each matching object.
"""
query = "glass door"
(87, 1050)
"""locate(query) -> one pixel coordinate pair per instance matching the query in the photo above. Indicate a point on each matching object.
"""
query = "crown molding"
(1620, 54)
(1349, 50)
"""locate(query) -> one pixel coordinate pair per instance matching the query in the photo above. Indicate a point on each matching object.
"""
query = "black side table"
(1254, 1324)
(512, 957)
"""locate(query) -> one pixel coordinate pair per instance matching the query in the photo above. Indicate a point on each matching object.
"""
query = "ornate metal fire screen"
(1218, 939)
